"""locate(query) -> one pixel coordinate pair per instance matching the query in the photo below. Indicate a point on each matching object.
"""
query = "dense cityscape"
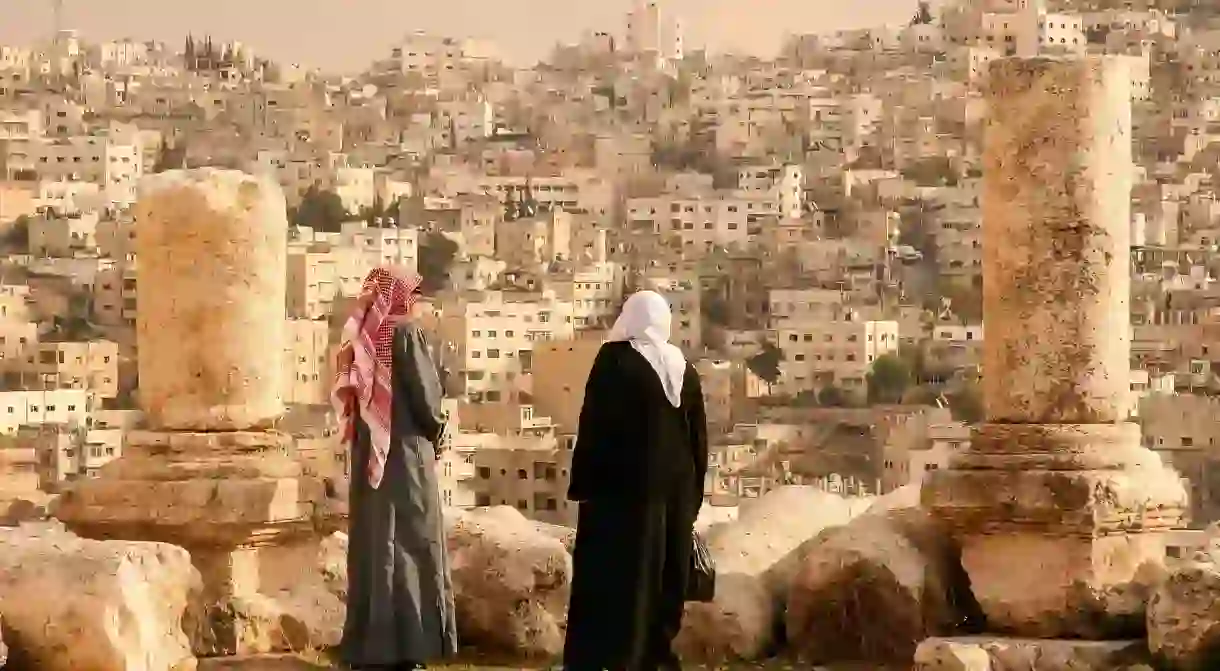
(814, 218)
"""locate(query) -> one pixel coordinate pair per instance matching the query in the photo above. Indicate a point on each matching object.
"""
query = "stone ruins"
(1059, 510)
(1041, 547)
(209, 472)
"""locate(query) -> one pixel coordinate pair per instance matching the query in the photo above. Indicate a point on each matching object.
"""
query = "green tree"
(170, 157)
(831, 396)
(17, 237)
(765, 364)
(923, 13)
(320, 210)
(966, 403)
(374, 215)
(916, 360)
(436, 256)
(888, 379)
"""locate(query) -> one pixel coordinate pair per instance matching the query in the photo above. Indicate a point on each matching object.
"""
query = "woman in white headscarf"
(637, 472)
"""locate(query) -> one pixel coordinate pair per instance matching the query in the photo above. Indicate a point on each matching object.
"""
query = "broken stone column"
(1059, 510)
(208, 472)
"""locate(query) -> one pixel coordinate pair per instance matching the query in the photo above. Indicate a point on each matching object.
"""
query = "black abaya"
(637, 471)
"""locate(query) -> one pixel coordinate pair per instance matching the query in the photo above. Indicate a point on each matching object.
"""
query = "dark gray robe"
(400, 598)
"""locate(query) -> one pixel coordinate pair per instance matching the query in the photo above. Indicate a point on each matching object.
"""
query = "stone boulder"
(1184, 618)
(299, 605)
(873, 589)
(906, 496)
(511, 582)
(983, 653)
(756, 557)
(70, 604)
(16, 510)
(565, 535)
(333, 557)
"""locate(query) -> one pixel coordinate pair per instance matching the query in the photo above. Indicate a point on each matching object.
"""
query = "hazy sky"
(348, 34)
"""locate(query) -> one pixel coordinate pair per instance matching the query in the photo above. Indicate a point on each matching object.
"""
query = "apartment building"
(596, 292)
(534, 241)
(114, 295)
(15, 308)
(91, 366)
(389, 247)
(494, 336)
(906, 464)
(54, 406)
(684, 296)
(561, 369)
(307, 362)
(317, 276)
(832, 353)
(57, 235)
(114, 161)
(1182, 428)
(66, 452)
(530, 473)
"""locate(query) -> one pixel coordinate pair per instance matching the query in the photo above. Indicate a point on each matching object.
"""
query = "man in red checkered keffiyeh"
(362, 381)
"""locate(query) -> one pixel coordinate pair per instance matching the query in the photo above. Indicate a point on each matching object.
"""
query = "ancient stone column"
(208, 471)
(211, 249)
(1057, 506)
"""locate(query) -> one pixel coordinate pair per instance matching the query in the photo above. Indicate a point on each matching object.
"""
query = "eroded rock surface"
(511, 581)
(70, 604)
(874, 588)
(756, 557)
(1184, 617)
(985, 653)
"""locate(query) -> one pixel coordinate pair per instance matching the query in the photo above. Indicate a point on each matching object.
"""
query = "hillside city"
(814, 220)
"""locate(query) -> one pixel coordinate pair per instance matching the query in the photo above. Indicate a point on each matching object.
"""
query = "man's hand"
(439, 445)
(346, 356)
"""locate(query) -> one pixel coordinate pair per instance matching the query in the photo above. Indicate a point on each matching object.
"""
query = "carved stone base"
(985, 653)
(237, 501)
(1061, 526)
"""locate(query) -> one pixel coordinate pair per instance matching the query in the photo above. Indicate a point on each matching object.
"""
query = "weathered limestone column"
(207, 471)
(1057, 505)
(211, 249)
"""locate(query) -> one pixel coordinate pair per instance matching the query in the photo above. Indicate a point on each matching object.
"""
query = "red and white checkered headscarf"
(363, 386)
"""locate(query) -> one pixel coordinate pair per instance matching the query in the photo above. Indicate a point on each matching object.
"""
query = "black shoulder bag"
(701, 583)
(701, 579)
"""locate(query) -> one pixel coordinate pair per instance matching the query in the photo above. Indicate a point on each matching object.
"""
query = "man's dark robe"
(400, 598)
(637, 471)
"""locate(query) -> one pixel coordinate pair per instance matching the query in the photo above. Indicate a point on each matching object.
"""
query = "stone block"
(266, 598)
(1184, 618)
(1061, 536)
(985, 653)
(71, 604)
(511, 582)
(757, 557)
(212, 246)
(872, 589)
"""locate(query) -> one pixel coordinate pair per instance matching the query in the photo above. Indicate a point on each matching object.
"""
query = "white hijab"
(645, 323)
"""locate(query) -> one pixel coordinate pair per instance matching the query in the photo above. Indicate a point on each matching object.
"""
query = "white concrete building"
(494, 335)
